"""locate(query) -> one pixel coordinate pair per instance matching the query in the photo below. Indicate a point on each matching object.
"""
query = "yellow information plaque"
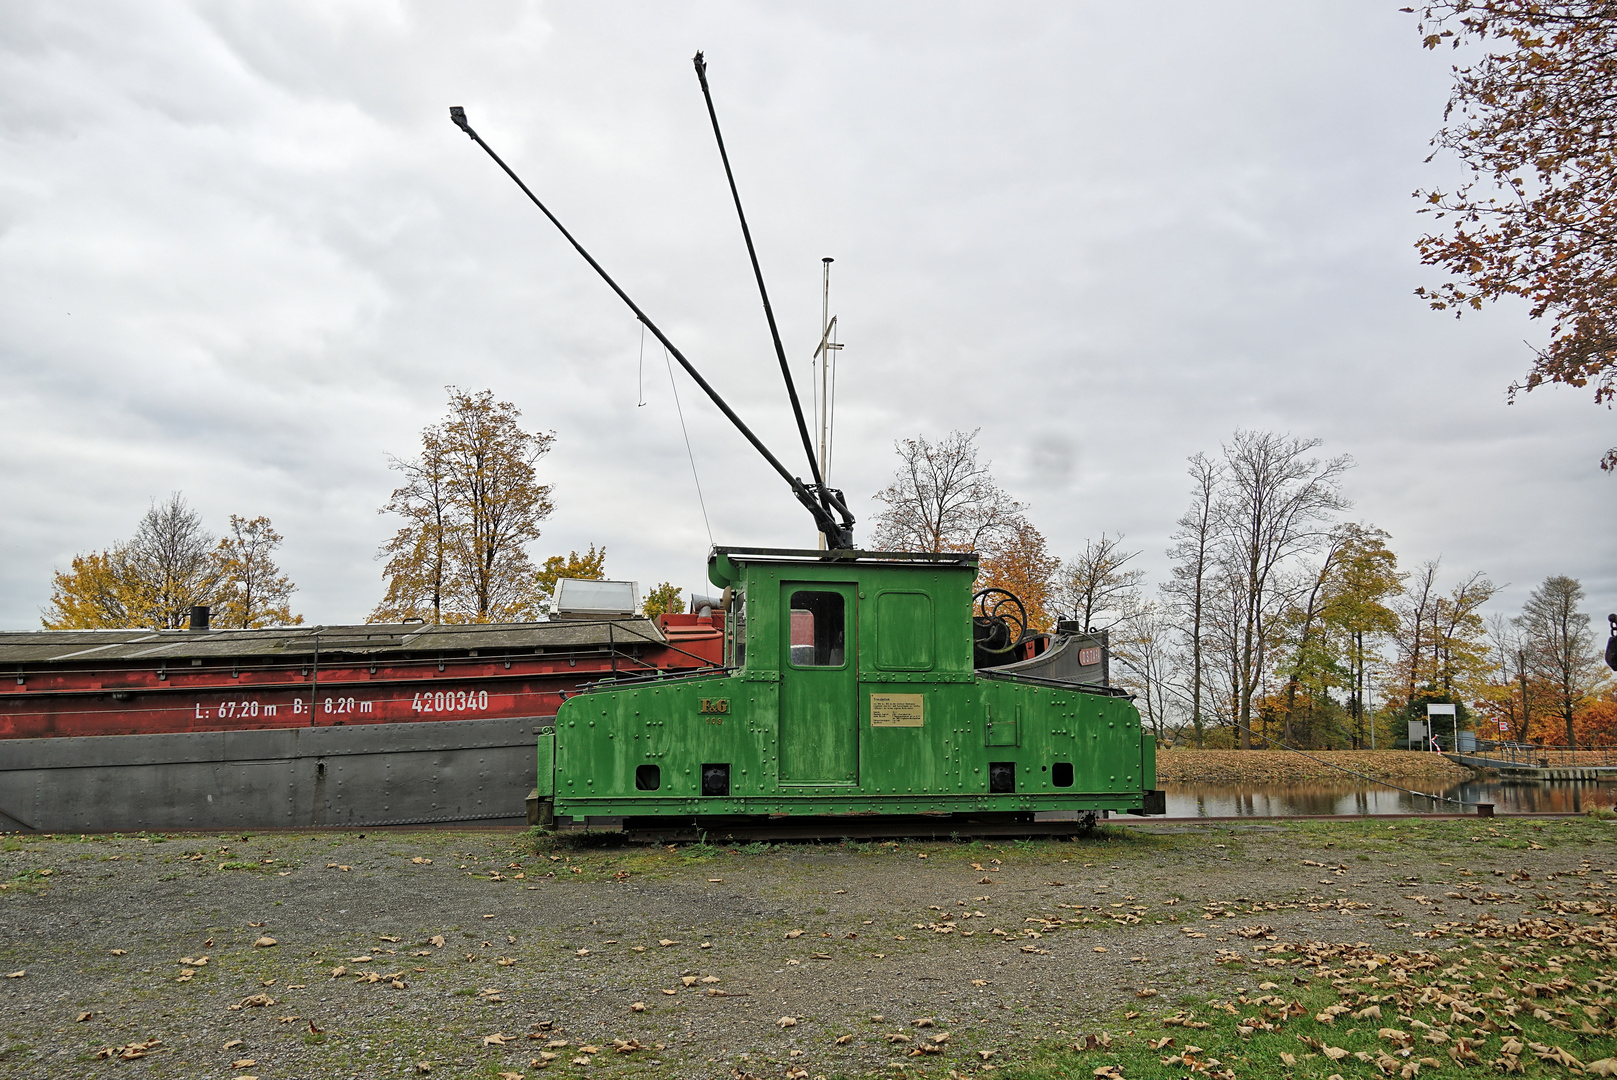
(895, 710)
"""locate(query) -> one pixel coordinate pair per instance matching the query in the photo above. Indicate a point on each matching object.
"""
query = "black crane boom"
(827, 500)
(838, 535)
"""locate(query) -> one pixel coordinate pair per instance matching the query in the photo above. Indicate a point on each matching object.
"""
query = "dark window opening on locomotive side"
(1061, 774)
(1001, 777)
(736, 623)
(648, 777)
(715, 779)
(818, 629)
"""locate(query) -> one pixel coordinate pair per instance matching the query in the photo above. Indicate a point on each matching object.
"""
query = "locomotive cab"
(849, 687)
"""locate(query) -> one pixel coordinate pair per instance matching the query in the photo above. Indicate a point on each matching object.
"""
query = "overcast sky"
(243, 250)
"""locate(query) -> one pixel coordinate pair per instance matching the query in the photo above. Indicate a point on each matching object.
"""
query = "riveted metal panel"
(375, 774)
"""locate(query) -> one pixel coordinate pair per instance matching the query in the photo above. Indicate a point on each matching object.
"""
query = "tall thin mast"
(825, 334)
(828, 384)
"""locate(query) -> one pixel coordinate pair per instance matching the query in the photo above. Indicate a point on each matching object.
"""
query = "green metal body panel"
(851, 691)
(546, 786)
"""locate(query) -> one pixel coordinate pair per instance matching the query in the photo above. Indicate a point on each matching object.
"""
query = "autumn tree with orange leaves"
(1534, 119)
(1021, 564)
(471, 504)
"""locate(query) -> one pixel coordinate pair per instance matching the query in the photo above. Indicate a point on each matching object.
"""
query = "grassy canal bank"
(1286, 767)
(1287, 949)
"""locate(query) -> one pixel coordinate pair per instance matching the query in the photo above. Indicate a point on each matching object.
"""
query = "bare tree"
(1560, 646)
(942, 498)
(172, 556)
(1192, 553)
(1417, 612)
(1146, 663)
(1275, 504)
(1514, 699)
(1308, 624)
(1096, 587)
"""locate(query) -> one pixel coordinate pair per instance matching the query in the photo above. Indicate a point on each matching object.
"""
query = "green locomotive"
(855, 683)
(850, 689)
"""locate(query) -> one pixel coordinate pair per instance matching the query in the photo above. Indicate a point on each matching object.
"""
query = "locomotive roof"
(721, 560)
(374, 639)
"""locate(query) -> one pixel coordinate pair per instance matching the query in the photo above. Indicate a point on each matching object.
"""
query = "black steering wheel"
(1000, 623)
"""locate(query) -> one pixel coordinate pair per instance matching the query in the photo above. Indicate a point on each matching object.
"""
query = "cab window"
(818, 629)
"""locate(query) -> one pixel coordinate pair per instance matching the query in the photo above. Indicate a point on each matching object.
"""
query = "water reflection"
(1292, 800)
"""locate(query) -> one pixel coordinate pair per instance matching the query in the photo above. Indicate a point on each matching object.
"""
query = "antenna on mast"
(826, 402)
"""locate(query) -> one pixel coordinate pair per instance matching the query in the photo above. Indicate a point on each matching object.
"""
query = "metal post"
(314, 680)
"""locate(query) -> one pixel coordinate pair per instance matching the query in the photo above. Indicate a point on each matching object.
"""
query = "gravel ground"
(479, 953)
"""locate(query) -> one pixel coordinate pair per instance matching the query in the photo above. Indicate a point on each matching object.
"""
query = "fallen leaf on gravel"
(243, 1063)
(986, 1054)
(664, 942)
(419, 861)
(786, 1022)
(638, 1006)
(265, 942)
(589, 1049)
(496, 1039)
(557, 1044)
(792, 934)
(436, 940)
(256, 1001)
(581, 1061)
(244, 1078)
(1145, 992)
(120, 952)
(422, 1067)
(510, 1076)
(896, 1037)
(688, 980)
(843, 1040)
(16, 974)
(626, 1046)
(1100, 948)
(797, 1072)
(233, 1043)
(670, 992)
(924, 1021)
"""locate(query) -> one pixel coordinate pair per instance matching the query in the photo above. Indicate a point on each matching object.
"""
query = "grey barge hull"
(425, 773)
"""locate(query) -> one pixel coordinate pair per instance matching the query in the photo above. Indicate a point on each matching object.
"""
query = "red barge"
(388, 723)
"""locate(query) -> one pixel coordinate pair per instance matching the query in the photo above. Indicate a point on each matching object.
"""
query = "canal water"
(1291, 800)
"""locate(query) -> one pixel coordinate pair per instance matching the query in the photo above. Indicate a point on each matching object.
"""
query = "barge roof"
(367, 639)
